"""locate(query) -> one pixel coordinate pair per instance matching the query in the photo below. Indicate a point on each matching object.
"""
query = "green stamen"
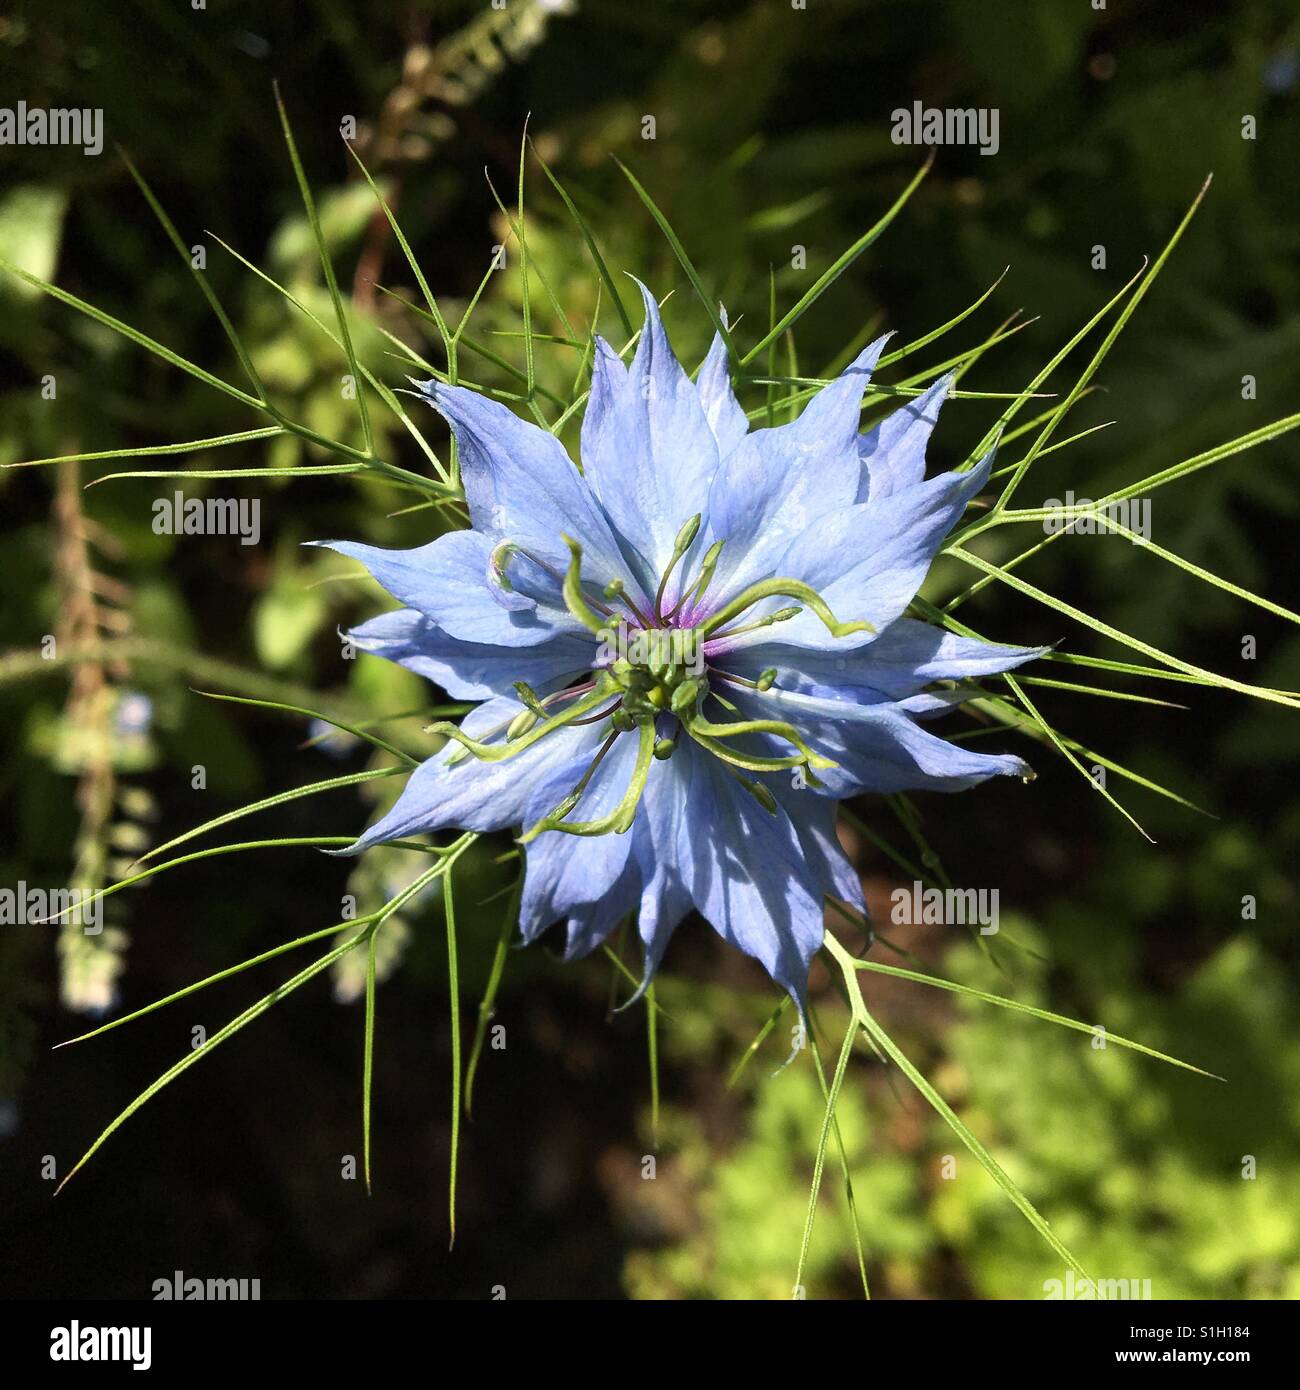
(519, 726)
(792, 588)
(498, 561)
(782, 615)
(574, 599)
(528, 698)
(685, 539)
(617, 590)
(697, 590)
(778, 727)
(620, 818)
(489, 753)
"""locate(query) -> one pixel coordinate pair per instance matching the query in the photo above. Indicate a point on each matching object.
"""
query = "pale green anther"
(574, 600)
(519, 726)
(665, 748)
(685, 539)
(791, 588)
(760, 793)
(686, 536)
(767, 680)
(708, 567)
(621, 720)
(528, 697)
(614, 589)
(782, 615)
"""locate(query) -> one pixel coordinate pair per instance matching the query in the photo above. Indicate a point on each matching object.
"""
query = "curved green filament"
(791, 588)
(751, 762)
(574, 599)
(490, 753)
(778, 727)
(620, 818)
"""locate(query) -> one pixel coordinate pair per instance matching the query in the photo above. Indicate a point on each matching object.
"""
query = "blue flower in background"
(686, 652)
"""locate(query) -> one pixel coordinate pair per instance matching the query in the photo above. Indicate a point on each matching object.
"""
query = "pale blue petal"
(659, 831)
(721, 408)
(777, 484)
(878, 747)
(906, 656)
(813, 818)
(521, 486)
(472, 794)
(748, 876)
(647, 448)
(448, 581)
(868, 561)
(565, 872)
(468, 670)
(893, 453)
(590, 924)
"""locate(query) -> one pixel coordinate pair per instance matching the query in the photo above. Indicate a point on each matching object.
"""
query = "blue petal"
(813, 818)
(748, 876)
(647, 448)
(777, 484)
(903, 658)
(591, 923)
(879, 747)
(564, 872)
(869, 560)
(521, 486)
(658, 833)
(893, 454)
(472, 794)
(448, 581)
(468, 670)
(721, 408)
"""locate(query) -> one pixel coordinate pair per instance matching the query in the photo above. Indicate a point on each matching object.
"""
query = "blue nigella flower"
(686, 652)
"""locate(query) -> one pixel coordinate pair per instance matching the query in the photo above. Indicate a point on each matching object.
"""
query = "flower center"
(649, 668)
(659, 670)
